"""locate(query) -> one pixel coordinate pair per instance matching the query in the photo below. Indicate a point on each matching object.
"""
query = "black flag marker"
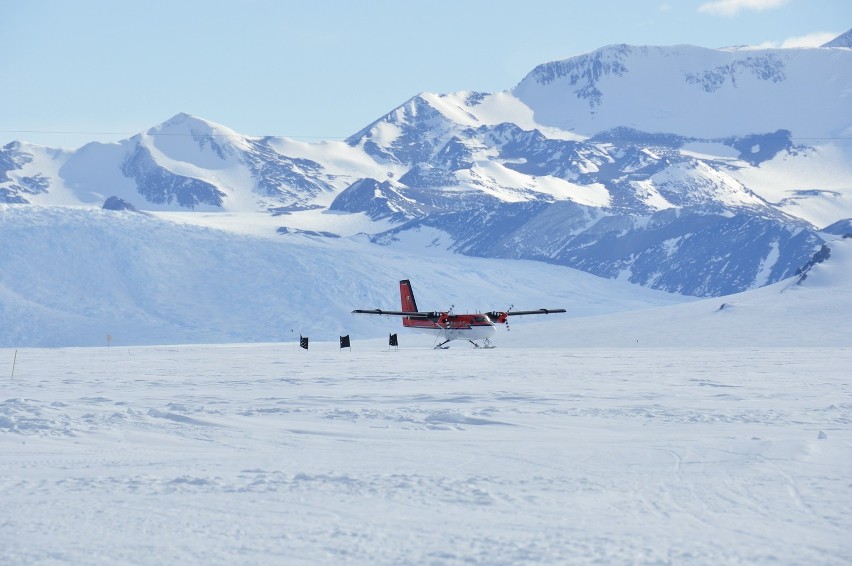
(303, 342)
(392, 341)
(344, 342)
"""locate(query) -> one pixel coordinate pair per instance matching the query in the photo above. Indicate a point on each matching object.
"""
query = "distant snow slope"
(78, 275)
(813, 311)
(73, 276)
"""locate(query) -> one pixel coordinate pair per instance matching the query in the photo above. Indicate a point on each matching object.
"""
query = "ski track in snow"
(271, 454)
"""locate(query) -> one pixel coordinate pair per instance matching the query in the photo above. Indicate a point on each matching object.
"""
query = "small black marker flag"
(392, 341)
(303, 342)
(344, 342)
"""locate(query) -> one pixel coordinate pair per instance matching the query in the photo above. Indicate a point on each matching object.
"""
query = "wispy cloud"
(810, 40)
(733, 7)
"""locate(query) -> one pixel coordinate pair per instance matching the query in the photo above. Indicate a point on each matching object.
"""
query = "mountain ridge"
(662, 166)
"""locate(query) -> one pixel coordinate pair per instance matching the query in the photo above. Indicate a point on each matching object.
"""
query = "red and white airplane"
(470, 327)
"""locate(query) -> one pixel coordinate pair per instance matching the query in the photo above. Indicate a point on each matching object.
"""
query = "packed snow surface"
(248, 454)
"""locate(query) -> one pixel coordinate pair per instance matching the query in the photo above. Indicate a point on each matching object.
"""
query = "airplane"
(445, 324)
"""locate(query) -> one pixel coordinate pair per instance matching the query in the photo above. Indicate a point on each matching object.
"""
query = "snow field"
(269, 454)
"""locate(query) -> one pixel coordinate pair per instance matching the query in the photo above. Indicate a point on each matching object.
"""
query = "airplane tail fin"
(406, 297)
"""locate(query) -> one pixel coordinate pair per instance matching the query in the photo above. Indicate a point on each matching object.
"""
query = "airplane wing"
(537, 311)
(502, 316)
(409, 314)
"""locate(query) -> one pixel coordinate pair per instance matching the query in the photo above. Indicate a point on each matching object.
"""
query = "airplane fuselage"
(454, 326)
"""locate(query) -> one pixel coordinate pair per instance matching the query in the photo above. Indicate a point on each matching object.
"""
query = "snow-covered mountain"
(695, 92)
(843, 40)
(690, 170)
(183, 163)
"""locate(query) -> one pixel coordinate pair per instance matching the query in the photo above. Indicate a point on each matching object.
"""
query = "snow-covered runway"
(270, 454)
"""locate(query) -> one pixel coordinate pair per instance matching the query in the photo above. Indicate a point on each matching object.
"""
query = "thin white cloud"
(733, 7)
(810, 40)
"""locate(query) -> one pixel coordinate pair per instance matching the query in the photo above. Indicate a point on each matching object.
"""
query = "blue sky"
(81, 70)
